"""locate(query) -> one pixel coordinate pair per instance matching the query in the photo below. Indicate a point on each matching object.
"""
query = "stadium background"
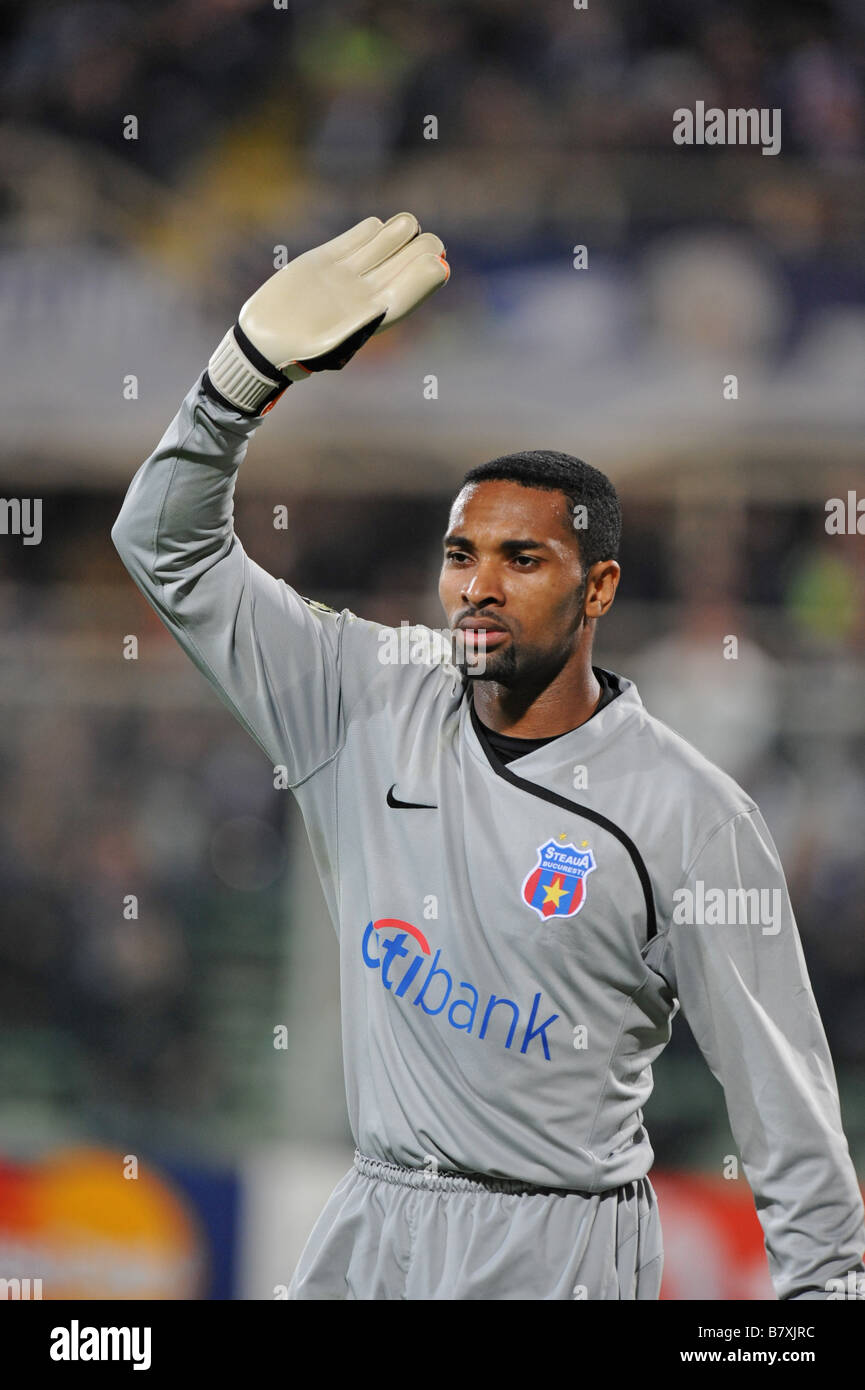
(258, 128)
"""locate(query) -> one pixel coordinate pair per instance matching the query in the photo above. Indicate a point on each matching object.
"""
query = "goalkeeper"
(510, 847)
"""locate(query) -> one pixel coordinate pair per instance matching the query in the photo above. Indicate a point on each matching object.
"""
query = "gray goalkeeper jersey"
(516, 937)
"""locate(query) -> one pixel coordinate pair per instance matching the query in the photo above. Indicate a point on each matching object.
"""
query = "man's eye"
(530, 558)
(456, 555)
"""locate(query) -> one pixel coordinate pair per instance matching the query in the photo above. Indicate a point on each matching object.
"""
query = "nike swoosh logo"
(407, 805)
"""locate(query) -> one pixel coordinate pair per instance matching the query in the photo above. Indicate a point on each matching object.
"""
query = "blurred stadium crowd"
(251, 117)
(119, 780)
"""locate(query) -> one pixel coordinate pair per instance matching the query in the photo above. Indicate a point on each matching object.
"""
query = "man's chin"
(490, 666)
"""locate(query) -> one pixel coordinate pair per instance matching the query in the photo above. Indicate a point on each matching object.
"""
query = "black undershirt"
(507, 748)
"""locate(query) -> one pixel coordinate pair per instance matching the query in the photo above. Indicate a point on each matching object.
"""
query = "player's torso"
(492, 955)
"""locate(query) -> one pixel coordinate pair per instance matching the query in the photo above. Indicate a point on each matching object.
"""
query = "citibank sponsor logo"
(389, 942)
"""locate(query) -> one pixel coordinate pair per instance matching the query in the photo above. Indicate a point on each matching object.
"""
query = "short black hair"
(581, 484)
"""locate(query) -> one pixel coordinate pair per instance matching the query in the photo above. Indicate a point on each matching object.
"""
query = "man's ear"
(602, 581)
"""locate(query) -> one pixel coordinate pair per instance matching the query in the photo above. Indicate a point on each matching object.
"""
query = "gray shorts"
(388, 1232)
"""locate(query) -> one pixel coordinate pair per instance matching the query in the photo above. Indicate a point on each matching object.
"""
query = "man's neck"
(564, 704)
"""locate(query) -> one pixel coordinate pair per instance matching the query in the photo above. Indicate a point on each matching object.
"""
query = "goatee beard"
(498, 666)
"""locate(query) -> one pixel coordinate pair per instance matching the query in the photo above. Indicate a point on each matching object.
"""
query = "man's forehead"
(485, 501)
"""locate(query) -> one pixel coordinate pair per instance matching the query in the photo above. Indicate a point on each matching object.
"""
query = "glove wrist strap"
(239, 373)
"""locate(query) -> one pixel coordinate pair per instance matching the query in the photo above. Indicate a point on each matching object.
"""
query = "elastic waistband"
(432, 1179)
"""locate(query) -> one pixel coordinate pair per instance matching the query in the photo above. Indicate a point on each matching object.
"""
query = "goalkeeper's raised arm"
(261, 645)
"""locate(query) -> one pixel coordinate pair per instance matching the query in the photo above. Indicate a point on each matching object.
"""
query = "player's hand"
(315, 313)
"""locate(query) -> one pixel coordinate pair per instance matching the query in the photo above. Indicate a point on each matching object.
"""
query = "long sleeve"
(273, 658)
(744, 988)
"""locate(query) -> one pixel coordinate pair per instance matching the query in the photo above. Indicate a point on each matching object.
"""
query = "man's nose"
(482, 587)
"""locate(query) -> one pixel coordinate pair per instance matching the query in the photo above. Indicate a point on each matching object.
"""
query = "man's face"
(511, 575)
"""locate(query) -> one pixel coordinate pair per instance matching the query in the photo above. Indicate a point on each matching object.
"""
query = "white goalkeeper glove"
(314, 314)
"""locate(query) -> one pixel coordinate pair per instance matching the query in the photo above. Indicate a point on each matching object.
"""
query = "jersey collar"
(571, 747)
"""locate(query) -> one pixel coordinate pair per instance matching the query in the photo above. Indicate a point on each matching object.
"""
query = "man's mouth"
(481, 636)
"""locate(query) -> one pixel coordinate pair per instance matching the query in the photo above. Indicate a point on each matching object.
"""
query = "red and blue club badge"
(556, 886)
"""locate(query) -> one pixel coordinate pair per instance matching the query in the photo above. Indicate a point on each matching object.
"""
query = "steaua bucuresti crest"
(556, 886)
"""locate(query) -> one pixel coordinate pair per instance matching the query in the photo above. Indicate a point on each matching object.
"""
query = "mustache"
(471, 613)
